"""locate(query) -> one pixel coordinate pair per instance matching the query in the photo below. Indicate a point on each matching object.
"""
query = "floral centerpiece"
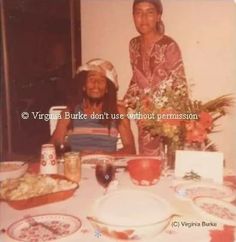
(179, 121)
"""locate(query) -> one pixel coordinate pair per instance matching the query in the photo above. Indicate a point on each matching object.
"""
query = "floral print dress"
(162, 65)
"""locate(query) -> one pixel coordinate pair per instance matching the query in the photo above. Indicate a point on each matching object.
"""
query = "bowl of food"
(12, 169)
(115, 214)
(145, 171)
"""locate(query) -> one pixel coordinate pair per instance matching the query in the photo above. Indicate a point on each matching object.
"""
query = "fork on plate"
(32, 222)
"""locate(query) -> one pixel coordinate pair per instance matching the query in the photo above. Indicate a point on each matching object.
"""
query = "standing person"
(155, 59)
(94, 117)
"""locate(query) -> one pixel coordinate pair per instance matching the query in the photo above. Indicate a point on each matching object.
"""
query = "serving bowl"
(130, 214)
(145, 171)
(12, 169)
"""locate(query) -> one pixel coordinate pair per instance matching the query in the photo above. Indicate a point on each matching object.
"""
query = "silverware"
(32, 222)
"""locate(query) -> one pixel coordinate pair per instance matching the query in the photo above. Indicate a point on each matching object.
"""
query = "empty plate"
(204, 189)
(216, 210)
(46, 227)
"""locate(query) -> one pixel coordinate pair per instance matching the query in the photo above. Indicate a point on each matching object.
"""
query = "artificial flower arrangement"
(179, 121)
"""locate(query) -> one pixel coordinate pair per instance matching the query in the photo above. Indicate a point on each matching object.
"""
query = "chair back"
(55, 111)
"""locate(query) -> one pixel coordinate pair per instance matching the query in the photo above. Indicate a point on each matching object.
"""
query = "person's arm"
(60, 132)
(129, 98)
(175, 66)
(126, 134)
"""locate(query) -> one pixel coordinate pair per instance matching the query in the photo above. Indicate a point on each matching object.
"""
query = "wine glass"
(105, 172)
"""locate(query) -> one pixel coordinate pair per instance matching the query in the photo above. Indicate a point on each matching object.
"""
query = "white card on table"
(207, 164)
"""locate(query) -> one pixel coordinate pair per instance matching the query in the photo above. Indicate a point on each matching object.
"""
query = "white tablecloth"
(81, 202)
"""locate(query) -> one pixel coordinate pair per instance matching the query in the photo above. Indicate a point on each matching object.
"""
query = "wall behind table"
(205, 32)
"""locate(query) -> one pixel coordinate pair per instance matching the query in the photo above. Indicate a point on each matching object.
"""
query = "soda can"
(72, 166)
(48, 162)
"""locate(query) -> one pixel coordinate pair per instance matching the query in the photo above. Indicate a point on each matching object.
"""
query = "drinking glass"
(72, 166)
(105, 172)
(165, 168)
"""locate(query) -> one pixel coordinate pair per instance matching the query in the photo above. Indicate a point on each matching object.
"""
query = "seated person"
(92, 116)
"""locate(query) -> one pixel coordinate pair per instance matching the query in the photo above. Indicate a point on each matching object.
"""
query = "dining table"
(80, 203)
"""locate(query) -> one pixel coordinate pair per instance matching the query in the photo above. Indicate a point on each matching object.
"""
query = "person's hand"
(121, 103)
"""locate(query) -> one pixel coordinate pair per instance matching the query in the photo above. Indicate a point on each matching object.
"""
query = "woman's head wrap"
(156, 3)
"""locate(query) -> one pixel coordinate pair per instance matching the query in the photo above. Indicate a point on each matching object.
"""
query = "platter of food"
(35, 190)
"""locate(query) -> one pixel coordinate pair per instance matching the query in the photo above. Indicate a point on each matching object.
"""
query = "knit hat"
(156, 3)
(103, 66)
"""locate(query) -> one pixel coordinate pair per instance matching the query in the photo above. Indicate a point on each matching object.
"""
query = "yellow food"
(32, 186)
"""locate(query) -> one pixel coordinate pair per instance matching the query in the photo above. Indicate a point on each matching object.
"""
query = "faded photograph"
(117, 120)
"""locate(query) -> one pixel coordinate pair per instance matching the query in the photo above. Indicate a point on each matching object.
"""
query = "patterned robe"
(162, 62)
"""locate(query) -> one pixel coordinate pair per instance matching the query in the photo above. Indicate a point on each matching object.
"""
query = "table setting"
(100, 197)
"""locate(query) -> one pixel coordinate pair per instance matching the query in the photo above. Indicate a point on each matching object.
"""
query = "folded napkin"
(225, 235)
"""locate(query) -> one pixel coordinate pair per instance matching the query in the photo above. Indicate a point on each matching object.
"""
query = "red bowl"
(145, 171)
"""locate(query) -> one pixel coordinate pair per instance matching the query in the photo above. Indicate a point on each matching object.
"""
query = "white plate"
(205, 189)
(62, 223)
(216, 210)
(12, 169)
(91, 160)
(119, 160)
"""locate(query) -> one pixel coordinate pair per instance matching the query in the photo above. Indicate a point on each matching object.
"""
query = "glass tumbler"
(72, 166)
